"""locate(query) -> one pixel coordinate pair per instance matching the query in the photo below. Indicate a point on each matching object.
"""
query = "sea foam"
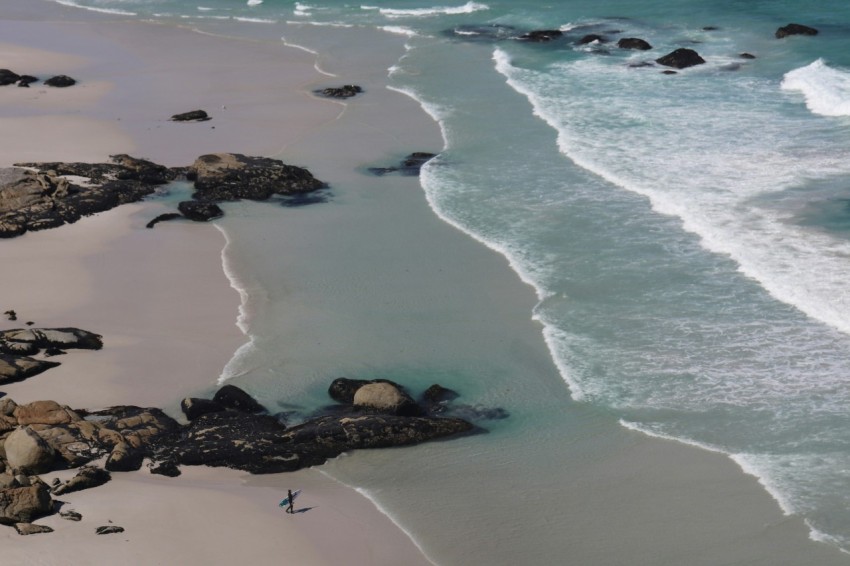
(826, 89)
(467, 8)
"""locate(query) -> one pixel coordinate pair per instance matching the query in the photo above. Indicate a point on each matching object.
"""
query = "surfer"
(290, 498)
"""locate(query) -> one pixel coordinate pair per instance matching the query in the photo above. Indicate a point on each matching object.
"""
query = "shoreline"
(632, 447)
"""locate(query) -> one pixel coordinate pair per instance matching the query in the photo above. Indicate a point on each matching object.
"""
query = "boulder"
(163, 218)
(342, 389)
(345, 91)
(71, 515)
(436, 397)
(191, 116)
(167, 468)
(109, 530)
(681, 58)
(86, 478)
(24, 504)
(26, 80)
(386, 398)
(200, 211)
(27, 452)
(31, 529)
(44, 412)
(541, 36)
(233, 176)
(193, 407)
(124, 458)
(794, 29)
(8, 77)
(232, 397)
(634, 43)
(60, 81)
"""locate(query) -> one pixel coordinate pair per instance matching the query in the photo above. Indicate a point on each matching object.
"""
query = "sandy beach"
(168, 313)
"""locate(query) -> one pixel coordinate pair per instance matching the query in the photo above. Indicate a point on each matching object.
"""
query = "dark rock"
(166, 468)
(124, 458)
(634, 43)
(86, 478)
(163, 218)
(232, 176)
(436, 397)
(794, 29)
(233, 397)
(591, 38)
(31, 529)
(27, 80)
(8, 77)
(200, 211)
(192, 116)
(71, 515)
(345, 91)
(11, 315)
(640, 65)
(681, 58)
(669, 72)
(17, 368)
(412, 164)
(194, 408)
(747, 56)
(260, 444)
(478, 413)
(60, 81)
(109, 529)
(50, 352)
(540, 36)
(24, 504)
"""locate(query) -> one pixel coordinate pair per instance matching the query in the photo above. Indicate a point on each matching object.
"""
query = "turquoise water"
(687, 235)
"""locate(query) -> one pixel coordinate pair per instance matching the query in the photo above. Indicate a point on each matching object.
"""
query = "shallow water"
(687, 235)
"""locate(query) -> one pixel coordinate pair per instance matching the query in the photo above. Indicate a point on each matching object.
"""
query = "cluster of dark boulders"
(409, 166)
(344, 91)
(47, 195)
(17, 346)
(232, 429)
(8, 77)
(678, 59)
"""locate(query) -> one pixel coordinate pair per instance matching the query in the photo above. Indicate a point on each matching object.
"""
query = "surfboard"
(285, 501)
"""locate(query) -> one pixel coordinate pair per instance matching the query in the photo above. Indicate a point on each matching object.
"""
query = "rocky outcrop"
(38, 338)
(8, 77)
(191, 116)
(233, 176)
(16, 368)
(231, 397)
(52, 194)
(541, 36)
(681, 58)
(124, 458)
(24, 504)
(60, 81)
(344, 91)
(794, 29)
(200, 211)
(634, 43)
(193, 407)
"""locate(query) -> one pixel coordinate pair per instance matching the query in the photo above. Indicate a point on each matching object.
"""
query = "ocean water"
(687, 235)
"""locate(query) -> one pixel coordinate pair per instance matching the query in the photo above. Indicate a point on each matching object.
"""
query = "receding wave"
(467, 8)
(826, 89)
(115, 11)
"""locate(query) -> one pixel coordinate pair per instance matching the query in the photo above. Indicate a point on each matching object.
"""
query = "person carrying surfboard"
(290, 498)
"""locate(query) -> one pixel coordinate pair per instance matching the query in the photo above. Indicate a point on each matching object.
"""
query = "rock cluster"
(231, 430)
(794, 29)
(18, 345)
(8, 77)
(46, 195)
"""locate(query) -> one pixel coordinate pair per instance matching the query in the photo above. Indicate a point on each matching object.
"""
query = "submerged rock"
(794, 29)
(681, 58)
(541, 36)
(200, 211)
(634, 43)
